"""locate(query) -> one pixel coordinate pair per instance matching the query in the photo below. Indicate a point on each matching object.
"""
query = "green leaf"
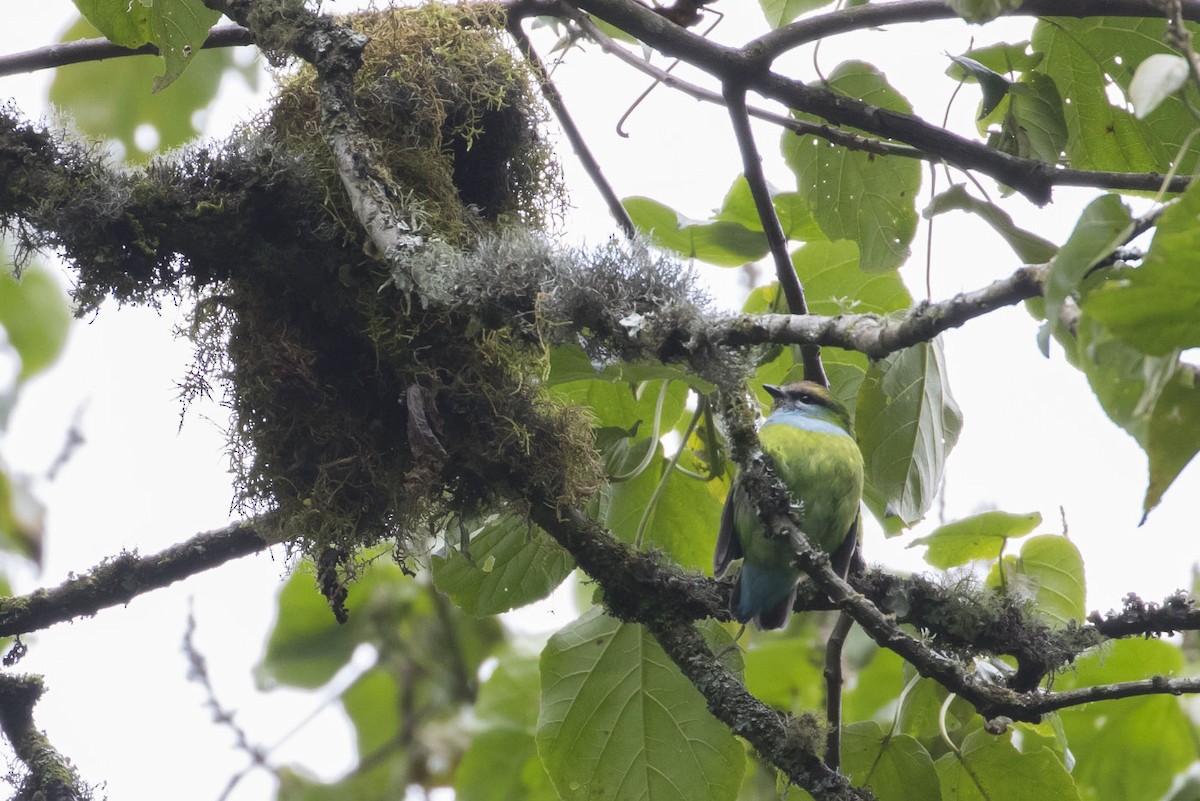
(1154, 307)
(894, 766)
(621, 405)
(907, 422)
(1085, 56)
(512, 563)
(119, 113)
(35, 316)
(619, 721)
(785, 672)
(725, 244)
(1035, 125)
(781, 12)
(504, 699)
(178, 28)
(1053, 568)
(988, 767)
(1174, 435)
(834, 284)
(791, 209)
(862, 197)
(306, 645)
(1125, 380)
(373, 705)
(1104, 225)
(1002, 57)
(980, 536)
(1151, 732)
(502, 765)
(1029, 247)
(685, 518)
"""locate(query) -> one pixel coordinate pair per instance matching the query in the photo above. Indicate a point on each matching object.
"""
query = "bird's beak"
(774, 391)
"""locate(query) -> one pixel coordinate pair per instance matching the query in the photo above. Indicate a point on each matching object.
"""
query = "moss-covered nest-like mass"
(360, 413)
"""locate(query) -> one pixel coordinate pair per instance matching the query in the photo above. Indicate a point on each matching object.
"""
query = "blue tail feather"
(764, 595)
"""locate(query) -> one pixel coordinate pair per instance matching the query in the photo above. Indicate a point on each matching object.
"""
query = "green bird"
(810, 440)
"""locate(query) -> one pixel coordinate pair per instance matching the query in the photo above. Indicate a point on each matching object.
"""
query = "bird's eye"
(806, 398)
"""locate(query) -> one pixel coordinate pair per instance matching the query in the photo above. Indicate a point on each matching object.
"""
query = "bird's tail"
(764, 595)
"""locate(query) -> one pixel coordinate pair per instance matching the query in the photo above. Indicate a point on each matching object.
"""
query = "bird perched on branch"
(810, 440)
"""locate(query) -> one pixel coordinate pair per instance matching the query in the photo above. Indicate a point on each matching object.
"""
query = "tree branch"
(878, 336)
(84, 50)
(51, 775)
(766, 48)
(124, 577)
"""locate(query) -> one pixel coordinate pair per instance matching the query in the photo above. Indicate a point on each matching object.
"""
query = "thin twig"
(833, 689)
(555, 100)
(85, 50)
(735, 100)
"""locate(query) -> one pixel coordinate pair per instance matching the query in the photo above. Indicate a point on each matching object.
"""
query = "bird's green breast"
(824, 472)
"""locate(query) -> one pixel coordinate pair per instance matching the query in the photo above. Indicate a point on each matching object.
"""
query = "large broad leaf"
(510, 562)
(794, 216)
(619, 721)
(127, 106)
(1174, 434)
(987, 767)
(1156, 307)
(35, 317)
(1154, 398)
(684, 518)
(859, 196)
(1085, 56)
(907, 422)
(1152, 732)
(980, 536)
(719, 242)
(1048, 573)
(177, 28)
(1033, 125)
(894, 766)
(1104, 225)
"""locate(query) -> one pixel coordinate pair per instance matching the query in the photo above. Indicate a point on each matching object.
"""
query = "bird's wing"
(729, 547)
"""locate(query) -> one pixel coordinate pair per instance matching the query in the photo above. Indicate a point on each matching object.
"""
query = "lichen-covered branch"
(122, 578)
(636, 589)
(50, 775)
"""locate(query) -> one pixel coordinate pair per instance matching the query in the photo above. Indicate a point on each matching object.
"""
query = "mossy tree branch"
(50, 775)
(126, 576)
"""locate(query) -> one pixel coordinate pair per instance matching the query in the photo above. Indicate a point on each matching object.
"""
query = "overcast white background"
(119, 703)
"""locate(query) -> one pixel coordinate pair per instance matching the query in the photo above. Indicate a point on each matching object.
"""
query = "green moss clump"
(359, 415)
(453, 114)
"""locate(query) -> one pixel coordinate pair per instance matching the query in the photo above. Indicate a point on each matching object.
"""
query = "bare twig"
(554, 99)
(833, 689)
(735, 99)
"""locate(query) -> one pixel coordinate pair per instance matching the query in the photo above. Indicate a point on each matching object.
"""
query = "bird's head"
(811, 400)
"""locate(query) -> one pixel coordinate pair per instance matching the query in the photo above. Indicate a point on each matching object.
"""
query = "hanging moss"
(452, 112)
(359, 414)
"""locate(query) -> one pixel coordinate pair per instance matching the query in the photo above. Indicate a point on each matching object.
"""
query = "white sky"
(119, 703)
